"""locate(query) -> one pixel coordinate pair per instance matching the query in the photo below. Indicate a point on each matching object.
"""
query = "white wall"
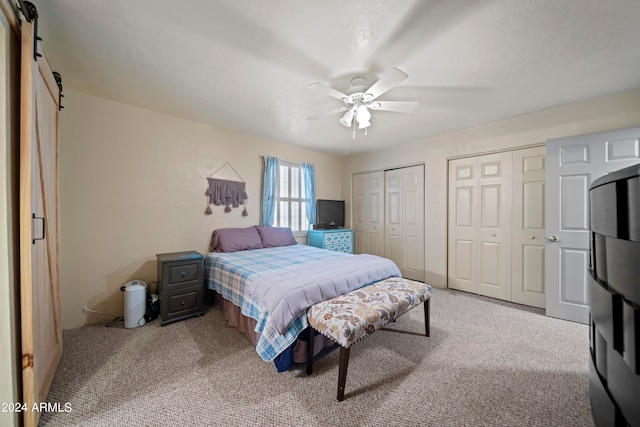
(132, 185)
(606, 113)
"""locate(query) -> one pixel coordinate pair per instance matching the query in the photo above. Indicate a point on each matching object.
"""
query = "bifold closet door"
(39, 285)
(528, 239)
(480, 225)
(404, 220)
(368, 219)
(388, 217)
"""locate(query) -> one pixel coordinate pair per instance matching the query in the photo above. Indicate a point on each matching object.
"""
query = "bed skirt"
(246, 325)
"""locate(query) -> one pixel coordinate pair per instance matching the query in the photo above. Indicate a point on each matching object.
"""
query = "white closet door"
(359, 222)
(368, 203)
(480, 225)
(388, 217)
(573, 163)
(393, 216)
(413, 222)
(463, 225)
(528, 238)
(404, 220)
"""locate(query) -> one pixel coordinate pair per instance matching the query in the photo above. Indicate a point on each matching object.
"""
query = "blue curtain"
(269, 190)
(310, 191)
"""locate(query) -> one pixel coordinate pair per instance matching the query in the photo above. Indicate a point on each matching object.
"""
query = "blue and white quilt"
(231, 275)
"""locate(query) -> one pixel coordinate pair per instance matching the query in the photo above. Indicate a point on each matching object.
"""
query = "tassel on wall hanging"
(226, 192)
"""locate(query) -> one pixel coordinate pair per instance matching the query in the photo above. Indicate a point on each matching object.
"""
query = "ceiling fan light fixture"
(360, 99)
(347, 118)
(363, 116)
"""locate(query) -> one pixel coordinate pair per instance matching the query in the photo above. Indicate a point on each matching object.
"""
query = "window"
(291, 209)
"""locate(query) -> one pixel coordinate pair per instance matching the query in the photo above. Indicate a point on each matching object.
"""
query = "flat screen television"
(330, 213)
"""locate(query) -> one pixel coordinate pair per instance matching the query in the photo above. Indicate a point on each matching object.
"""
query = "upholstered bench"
(353, 316)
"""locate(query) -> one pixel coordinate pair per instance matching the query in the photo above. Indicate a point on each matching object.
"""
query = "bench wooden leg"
(310, 340)
(342, 371)
(427, 323)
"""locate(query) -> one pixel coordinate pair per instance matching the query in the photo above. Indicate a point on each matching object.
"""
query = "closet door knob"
(553, 238)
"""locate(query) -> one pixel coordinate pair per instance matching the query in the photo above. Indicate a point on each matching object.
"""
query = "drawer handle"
(183, 303)
(184, 273)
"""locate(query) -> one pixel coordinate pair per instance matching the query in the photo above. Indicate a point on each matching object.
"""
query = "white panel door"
(495, 226)
(393, 216)
(480, 225)
(463, 221)
(359, 222)
(573, 163)
(413, 223)
(368, 222)
(375, 213)
(404, 220)
(528, 227)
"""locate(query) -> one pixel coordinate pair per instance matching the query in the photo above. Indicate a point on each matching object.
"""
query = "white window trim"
(298, 233)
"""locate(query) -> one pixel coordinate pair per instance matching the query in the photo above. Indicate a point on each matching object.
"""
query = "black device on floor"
(153, 306)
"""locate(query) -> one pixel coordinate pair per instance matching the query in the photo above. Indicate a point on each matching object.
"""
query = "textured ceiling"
(247, 64)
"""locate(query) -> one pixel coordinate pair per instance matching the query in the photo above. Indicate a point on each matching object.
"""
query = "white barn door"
(573, 163)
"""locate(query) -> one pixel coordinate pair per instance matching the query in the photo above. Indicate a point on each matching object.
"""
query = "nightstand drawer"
(179, 274)
(180, 304)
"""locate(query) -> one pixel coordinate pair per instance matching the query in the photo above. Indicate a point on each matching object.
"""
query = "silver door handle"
(553, 238)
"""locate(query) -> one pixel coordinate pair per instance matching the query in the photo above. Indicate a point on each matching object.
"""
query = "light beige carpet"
(487, 363)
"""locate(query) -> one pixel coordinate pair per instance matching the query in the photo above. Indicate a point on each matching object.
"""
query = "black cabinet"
(180, 287)
(614, 298)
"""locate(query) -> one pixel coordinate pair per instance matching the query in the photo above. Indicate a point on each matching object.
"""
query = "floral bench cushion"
(350, 317)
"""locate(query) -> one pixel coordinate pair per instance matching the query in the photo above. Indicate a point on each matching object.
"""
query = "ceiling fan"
(361, 97)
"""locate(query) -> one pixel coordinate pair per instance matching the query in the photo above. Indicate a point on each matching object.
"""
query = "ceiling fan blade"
(397, 106)
(323, 88)
(390, 79)
(328, 113)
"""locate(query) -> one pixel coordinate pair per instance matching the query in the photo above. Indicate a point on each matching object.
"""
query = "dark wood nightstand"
(180, 286)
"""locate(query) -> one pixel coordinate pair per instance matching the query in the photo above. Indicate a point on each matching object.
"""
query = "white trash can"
(134, 304)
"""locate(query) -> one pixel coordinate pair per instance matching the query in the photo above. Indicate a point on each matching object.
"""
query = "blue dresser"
(335, 239)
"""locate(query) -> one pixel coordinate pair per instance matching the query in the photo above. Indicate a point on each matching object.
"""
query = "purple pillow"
(276, 236)
(236, 239)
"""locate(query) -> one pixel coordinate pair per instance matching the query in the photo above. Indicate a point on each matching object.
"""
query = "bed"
(267, 280)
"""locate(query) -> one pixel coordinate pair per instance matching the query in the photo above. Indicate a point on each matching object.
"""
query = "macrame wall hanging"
(226, 192)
